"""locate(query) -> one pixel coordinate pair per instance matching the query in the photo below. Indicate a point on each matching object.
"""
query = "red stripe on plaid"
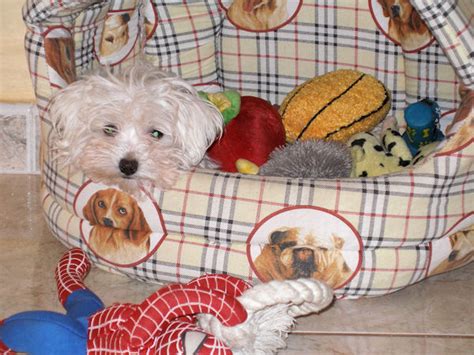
(70, 273)
(335, 7)
(381, 269)
(361, 66)
(427, 79)
(260, 200)
(452, 47)
(226, 197)
(467, 27)
(456, 150)
(402, 216)
(36, 75)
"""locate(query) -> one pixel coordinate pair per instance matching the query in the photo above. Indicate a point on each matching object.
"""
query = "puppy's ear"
(88, 210)
(277, 237)
(138, 230)
(385, 9)
(199, 123)
(337, 241)
(66, 112)
(416, 22)
(138, 221)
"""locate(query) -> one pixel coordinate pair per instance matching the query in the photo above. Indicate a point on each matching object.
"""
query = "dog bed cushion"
(364, 237)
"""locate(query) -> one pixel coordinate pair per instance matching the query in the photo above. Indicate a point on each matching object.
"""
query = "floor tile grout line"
(384, 334)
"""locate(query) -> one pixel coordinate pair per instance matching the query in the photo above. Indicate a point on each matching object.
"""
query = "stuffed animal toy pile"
(314, 120)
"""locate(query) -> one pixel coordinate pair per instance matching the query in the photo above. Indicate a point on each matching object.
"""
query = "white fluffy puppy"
(141, 127)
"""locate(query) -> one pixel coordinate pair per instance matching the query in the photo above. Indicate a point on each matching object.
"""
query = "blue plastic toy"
(422, 119)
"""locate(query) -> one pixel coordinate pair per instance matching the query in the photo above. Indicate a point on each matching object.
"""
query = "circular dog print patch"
(116, 227)
(305, 242)
(115, 40)
(399, 21)
(261, 15)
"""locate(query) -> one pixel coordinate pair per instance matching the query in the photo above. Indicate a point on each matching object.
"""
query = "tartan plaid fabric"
(185, 40)
(211, 220)
(452, 31)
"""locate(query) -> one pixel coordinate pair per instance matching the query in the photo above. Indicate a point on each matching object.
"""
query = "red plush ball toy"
(252, 135)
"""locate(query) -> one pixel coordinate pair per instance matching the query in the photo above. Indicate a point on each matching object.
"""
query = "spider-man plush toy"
(163, 323)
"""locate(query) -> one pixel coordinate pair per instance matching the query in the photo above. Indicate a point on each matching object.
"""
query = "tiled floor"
(433, 317)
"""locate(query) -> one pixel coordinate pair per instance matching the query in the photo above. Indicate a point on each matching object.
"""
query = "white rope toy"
(271, 308)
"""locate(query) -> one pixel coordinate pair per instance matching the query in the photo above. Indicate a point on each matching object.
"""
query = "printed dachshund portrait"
(462, 252)
(258, 15)
(115, 34)
(120, 232)
(59, 53)
(289, 255)
(405, 26)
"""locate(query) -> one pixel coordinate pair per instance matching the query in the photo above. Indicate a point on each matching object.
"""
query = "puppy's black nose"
(108, 222)
(395, 10)
(128, 166)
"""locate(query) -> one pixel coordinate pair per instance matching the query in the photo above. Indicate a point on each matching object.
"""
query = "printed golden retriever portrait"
(258, 15)
(462, 252)
(115, 34)
(405, 25)
(120, 232)
(291, 255)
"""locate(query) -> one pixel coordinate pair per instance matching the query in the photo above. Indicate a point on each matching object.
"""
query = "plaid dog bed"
(368, 236)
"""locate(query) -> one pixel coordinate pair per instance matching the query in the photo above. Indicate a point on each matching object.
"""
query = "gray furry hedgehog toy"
(316, 159)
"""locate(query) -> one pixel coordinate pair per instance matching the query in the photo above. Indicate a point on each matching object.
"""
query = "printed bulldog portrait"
(120, 232)
(290, 255)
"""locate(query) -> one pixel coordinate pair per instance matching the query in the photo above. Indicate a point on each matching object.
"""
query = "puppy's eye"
(122, 211)
(110, 130)
(101, 204)
(156, 134)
